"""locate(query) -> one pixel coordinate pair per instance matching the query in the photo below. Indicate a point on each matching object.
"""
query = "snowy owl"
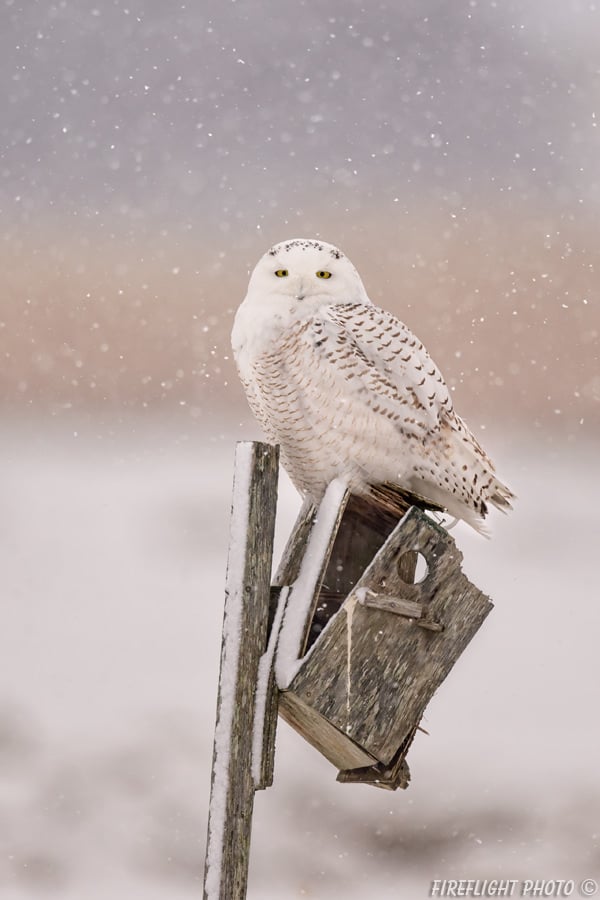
(348, 391)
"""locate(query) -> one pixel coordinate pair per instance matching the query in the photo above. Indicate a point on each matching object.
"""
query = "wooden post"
(244, 643)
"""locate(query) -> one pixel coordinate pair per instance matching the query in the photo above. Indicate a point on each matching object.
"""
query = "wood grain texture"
(247, 605)
(325, 737)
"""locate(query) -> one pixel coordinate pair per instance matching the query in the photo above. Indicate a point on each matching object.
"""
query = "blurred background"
(149, 154)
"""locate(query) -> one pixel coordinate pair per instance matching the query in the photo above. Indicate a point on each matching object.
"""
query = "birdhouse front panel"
(379, 660)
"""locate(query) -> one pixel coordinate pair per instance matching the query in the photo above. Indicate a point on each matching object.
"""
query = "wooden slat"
(244, 641)
(304, 592)
(291, 559)
(287, 572)
(389, 777)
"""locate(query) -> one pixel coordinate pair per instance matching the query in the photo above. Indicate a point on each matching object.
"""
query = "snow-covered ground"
(112, 562)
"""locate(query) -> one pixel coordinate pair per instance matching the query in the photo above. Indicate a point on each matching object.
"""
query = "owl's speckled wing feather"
(403, 381)
(385, 365)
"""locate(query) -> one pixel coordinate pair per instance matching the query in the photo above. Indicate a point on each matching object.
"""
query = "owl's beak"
(301, 292)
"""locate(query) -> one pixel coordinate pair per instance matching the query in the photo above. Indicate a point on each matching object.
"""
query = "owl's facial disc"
(308, 269)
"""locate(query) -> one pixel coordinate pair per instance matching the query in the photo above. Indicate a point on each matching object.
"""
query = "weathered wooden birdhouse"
(378, 611)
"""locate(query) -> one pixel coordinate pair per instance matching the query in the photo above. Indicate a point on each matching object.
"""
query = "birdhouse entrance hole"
(412, 559)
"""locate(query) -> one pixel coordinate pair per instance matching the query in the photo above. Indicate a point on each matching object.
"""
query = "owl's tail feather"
(474, 513)
(470, 455)
(501, 496)
(395, 500)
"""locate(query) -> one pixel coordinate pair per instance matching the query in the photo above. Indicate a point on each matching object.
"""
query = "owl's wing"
(383, 365)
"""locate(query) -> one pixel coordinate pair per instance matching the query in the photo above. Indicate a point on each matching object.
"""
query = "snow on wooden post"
(244, 643)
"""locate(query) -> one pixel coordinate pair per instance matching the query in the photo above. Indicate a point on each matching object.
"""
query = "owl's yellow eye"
(323, 274)
(281, 273)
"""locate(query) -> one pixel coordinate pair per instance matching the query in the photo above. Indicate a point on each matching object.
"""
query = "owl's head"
(304, 270)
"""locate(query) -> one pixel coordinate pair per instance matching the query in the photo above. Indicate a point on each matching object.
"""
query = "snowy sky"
(150, 152)
(232, 111)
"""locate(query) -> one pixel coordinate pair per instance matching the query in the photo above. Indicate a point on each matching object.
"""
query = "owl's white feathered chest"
(268, 352)
(302, 400)
(257, 330)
